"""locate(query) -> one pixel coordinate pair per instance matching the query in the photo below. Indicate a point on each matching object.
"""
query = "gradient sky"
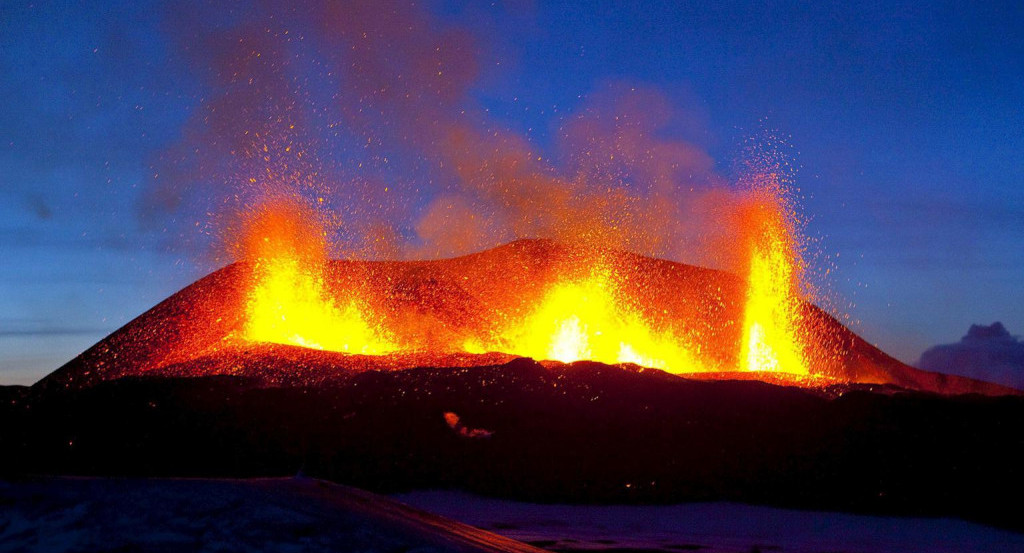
(906, 122)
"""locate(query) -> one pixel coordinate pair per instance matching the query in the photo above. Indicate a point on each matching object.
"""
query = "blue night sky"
(904, 118)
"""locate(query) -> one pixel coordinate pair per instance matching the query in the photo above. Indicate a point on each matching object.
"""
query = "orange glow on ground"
(587, 320)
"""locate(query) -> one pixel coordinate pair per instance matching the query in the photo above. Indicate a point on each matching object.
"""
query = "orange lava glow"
(772, 339)
(288, 305)
(288, 302)
(588, 320)
(581, 314)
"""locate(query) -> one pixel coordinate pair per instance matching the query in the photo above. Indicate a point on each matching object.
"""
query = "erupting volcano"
(398, 375)
(555, 253)
(591, 306)
(287, 313)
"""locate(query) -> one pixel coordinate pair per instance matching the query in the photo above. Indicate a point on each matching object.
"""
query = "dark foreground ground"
(57, 515)
(584, 433)
(64, 515)
(711, 528)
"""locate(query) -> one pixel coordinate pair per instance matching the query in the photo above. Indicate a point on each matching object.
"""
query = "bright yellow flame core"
(771, 338)
(288, 305)
(585, 317)
(585, 320)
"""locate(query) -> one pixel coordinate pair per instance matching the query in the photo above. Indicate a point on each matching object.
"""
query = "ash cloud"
(987, 353)
(367, 109)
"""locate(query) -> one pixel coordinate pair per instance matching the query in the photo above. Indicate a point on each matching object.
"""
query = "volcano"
(467, 300)
(183, 390)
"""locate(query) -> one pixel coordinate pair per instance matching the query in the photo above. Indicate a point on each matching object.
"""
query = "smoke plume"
(365, 109)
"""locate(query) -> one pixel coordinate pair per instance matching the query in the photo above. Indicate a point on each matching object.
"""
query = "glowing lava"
(772, 337)
(580, 315)
(587, 320)
(288, 302)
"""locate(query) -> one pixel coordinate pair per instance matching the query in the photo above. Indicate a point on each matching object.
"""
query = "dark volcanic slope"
(584, 432)
(444, 301)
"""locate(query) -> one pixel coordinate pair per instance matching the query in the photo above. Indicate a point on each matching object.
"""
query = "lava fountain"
(589, 318)
(773, 337)
(288, 302)
(581, 311)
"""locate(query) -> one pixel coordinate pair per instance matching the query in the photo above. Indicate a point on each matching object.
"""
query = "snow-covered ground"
(54, 515)
(711, 528)
(300, 514)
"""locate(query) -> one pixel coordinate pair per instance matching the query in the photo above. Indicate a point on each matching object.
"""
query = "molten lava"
(569, 314)
(288, 302)
(772, 337)
(588, 319)
(288, 305)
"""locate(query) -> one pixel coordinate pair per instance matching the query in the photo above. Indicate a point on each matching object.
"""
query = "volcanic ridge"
(183, 391)
(198, 331)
